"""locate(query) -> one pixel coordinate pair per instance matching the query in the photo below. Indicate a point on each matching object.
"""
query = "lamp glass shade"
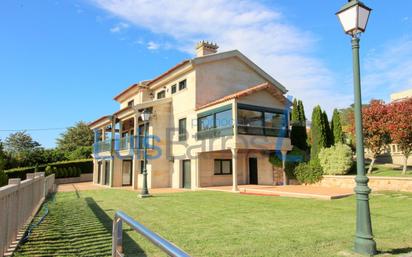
(145, 115)
(354, 17)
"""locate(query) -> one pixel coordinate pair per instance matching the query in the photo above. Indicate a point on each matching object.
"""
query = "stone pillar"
(113, 145)
(285, 179)
(234, 170)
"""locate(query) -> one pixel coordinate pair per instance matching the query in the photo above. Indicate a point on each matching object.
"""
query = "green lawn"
(385, 170)
(219, 224)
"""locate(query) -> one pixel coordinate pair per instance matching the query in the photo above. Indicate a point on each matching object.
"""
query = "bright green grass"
(383, 170)
(219, 224)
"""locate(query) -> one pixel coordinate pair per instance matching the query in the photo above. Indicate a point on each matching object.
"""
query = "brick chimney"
(204, 48)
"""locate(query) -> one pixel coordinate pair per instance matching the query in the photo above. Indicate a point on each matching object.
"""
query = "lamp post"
(354, 17)
(145, 115)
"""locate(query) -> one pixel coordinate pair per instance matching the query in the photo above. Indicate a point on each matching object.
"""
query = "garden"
(216, 224)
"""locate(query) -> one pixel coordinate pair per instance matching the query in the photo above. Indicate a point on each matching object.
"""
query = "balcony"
(124, 143)
(102, 146)
(215, 132)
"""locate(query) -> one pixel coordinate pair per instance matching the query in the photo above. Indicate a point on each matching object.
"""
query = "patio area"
(298, 191)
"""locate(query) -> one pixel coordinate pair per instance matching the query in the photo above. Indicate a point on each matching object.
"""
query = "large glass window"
(223, 119)
(223, 167)
(255, 120)
(206, 122)
(250, 122)
(274, 123)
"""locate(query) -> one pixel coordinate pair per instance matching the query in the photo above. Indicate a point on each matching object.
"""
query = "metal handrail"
(117, 237)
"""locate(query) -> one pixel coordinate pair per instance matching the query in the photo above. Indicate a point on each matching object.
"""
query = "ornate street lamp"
(145, 116)
(354, 17)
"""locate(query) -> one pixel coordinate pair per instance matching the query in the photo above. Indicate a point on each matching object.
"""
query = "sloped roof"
(248, 91)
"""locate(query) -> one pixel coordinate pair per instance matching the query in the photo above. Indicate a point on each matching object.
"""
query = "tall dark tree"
(298, 133)
(318, 133)
(302, 118)
(328, 131)
(336, 127)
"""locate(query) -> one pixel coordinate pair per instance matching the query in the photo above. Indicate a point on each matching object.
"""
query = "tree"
(3, 157)
(19, 142)
(328, 132)
(318, 133)
(375, 128)
(76, 136)
(336, 128)
(400, 127)
(298, 134)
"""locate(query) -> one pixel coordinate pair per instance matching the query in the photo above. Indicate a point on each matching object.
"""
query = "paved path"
(81, 186)
(299, 191)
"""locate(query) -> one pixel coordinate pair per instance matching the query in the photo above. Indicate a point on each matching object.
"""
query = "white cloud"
(119, 27)
(388, 69)
(260, 32)
(152, 45)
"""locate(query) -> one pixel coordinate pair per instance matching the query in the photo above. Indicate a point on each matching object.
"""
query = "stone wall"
(375, 183)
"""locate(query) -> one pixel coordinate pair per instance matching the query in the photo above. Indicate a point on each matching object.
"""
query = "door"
(186, 174)
(107, 173)
(127, 173)
(253, 171)
(99, 172)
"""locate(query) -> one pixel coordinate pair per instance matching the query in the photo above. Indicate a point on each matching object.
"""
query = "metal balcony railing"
(117, 237)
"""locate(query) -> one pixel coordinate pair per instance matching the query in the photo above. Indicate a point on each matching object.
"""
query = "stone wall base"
(375, 183)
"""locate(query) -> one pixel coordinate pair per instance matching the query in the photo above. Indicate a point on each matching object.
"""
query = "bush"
(308, 173)
(336, 160)
(293, 158)
(86, 166)
(3, 178)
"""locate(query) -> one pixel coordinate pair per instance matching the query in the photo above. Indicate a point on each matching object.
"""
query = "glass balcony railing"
(215, 132)
(124, 143)
(102, 146)
(262, 131)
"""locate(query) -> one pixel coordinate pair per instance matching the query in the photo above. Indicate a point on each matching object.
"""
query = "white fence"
(19, 202)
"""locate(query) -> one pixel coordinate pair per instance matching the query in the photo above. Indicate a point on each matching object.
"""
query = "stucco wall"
(217, 79)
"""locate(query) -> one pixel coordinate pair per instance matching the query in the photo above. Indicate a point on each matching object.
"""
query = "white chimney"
(204, 48)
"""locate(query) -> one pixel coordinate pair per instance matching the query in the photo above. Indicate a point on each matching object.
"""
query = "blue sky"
(63, 61)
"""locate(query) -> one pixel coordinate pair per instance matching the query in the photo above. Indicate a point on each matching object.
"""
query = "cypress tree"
(298, 134)
(302, 116)
(328, 131)
(318, 133)
(336, 127)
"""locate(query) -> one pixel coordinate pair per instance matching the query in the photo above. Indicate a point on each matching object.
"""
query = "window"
(173, 88)
(130, 103)
(256, 120)
(161, 94)
(250, 122)
(223, 167)
(274, 123)
(182, 129)
(182, 84)
(223, 119)
(206, 123)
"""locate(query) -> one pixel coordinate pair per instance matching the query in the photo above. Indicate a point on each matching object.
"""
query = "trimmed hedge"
(64, 169)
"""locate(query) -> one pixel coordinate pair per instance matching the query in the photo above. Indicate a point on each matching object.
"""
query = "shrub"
(86, 166)
(336, 160)
(308, 173)
(293, 158)
(48, 171)
(3, 178)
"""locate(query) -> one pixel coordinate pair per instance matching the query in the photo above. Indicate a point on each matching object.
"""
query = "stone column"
(136, 156)
(285, 179)
(234, 170)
